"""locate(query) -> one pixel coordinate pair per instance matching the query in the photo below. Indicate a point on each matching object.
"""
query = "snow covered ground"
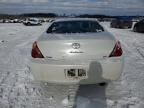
(19, 90)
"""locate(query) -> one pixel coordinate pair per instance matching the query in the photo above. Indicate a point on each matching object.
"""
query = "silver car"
(76, 50)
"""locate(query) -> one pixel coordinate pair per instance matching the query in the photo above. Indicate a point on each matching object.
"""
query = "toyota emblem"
(76, 45)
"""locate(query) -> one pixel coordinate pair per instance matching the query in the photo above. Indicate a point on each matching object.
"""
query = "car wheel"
(28, 24)
(135, 29)
(129, 27)
(103, 84)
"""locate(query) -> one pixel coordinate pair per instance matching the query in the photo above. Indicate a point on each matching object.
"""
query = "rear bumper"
(97, 71)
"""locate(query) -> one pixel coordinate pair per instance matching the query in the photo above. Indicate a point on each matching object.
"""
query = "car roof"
(74, 19)
(33, 18)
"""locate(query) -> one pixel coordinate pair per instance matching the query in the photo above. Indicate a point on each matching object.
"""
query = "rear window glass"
(34, 20)
(75, 27)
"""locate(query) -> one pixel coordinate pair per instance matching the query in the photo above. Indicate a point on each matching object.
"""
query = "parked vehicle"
(139, 26)
(121, 23)
(32, 21)
(6, 21)
(16, 21)
(1, 21)
(76, 51)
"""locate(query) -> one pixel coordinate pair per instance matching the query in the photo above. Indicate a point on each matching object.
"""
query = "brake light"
(117, 51)
(36, 53)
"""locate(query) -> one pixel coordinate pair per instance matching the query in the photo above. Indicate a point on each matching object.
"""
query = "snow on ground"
(19, 90)
(129, 89)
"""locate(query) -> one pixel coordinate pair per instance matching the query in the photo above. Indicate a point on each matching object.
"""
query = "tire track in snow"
(140, 49)
(140, 52)
(132, 76)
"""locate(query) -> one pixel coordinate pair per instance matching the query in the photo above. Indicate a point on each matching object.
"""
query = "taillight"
(36, 53)
(117, 51)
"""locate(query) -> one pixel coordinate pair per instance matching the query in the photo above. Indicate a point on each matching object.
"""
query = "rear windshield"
(75, 27)
(34, 20)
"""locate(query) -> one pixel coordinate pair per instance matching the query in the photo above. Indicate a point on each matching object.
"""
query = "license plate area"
(76, 73)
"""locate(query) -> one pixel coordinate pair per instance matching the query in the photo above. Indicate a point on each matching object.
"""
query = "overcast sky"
(110, 7)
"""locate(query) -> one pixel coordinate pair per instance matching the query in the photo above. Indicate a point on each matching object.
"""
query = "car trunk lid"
(76, 46)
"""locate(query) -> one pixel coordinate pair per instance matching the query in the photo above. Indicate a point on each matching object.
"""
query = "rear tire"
(129, 27)
(28, 24)
(102, 84)
(135, 29)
